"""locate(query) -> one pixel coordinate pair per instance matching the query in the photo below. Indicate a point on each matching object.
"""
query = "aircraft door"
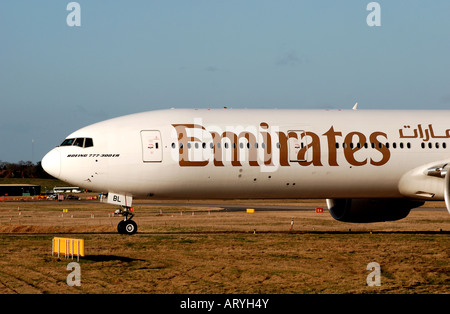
(296, 144)
(151, 146)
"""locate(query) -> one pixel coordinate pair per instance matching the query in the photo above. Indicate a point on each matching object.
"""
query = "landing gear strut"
(126, 226)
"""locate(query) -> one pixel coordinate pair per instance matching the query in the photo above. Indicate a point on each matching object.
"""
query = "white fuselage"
(229, 153)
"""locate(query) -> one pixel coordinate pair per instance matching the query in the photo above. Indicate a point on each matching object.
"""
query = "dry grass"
(220, 252)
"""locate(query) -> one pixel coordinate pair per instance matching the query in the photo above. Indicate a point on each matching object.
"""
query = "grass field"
(203, 250)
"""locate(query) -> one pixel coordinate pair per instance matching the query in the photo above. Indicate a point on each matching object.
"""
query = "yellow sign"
(68, 247)
(250, 210)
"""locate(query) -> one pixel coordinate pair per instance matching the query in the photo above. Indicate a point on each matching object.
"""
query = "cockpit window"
(80, 142)
(88, 142)
(68, 142)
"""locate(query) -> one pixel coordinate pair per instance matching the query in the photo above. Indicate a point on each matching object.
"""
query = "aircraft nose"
(52, 163)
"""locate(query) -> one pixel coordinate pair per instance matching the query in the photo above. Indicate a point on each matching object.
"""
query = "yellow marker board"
(68, 247)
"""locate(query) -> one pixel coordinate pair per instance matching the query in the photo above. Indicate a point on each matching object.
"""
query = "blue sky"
(133, 56)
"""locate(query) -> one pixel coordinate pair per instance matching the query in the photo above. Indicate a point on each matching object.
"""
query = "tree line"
(22, 169)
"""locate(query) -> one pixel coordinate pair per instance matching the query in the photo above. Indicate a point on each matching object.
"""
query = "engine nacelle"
(370, 210)
(447, 190)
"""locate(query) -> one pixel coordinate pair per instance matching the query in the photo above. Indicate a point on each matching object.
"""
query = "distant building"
(19, 190)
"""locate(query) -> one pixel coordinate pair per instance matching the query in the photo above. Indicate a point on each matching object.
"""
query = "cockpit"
(83, 142)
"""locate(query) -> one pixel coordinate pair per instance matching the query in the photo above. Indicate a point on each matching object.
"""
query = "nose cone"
(52, 163)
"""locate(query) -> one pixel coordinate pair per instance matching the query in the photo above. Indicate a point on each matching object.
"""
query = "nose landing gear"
(126, 226)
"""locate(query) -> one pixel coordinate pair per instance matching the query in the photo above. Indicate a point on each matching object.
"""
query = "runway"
(257, 206)
(235, 208)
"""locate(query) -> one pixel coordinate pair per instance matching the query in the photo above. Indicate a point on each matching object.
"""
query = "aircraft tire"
(120, 227)
(127, 227)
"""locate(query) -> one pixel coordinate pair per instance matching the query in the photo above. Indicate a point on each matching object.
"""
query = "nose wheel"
(126, 226)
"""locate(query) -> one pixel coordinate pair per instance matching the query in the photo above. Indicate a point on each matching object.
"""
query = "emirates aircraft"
(369, 165)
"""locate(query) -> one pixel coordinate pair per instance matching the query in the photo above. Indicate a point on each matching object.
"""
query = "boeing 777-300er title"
(369, 165)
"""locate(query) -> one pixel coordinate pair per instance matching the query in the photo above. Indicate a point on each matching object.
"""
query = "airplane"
(369, 165)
